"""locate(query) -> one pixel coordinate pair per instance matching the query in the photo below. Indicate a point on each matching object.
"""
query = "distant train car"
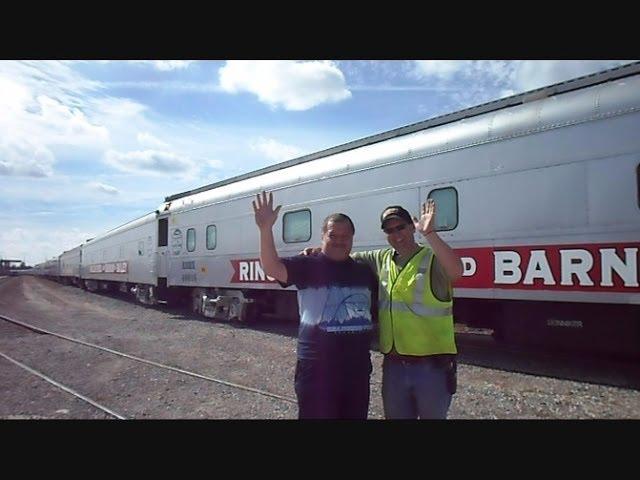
(20, 272)
(123, 258)
(51, 268)
(37, 270)
(539, 193)
(70, 263)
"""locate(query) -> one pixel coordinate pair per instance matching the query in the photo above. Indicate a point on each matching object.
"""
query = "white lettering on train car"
(117, 267)
(538, 268)
(259, 271)
(507, 267)
(244, 269)
(576, 262)
(251, 271)
(470, 266)
(627, 270)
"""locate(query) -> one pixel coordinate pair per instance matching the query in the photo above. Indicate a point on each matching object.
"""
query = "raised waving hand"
(265, 214)
(428, 218)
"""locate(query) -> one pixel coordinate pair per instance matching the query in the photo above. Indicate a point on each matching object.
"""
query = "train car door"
(162, 251)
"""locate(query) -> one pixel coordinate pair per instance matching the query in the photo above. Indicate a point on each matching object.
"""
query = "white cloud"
(25, 113)
(464, 82)
(442, 69)
(167, 85)
(64, 125)
(163, 65)
(14, 97)
(46, 121)
(364, 71)
(152, 162)
(213, 163)
(38, 113)
(166, 65)
(52, 78)
(512, 75)
(290, 84)
(103, 188)
(118, 108)
(34, 244)
(472, 82)
(147, 140)
(475, 71)
(56, 106)
(275, 150)
(22, 158)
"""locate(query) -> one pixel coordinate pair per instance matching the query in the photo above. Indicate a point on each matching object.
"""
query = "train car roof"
(525, 97)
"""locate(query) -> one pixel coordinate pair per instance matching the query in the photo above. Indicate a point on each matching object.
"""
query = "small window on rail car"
(446, 208)
(296, 226)
(212, 237)
(191, 239)
(140, 248)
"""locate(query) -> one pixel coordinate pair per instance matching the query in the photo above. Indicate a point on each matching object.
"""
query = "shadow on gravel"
(473, 349)
(286, 327)
(483, 351)
(271, 325)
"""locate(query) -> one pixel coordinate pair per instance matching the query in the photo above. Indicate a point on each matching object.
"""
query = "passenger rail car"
(538, 192)
(70, 262)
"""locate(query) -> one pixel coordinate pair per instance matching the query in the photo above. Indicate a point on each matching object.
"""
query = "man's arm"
(265, 217)
(448, 258)
(369, 257)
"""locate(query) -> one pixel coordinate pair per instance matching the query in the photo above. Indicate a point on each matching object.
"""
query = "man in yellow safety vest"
(415, 315)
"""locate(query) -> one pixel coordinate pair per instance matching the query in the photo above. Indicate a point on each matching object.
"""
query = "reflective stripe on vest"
(420, 310)
(416, 309)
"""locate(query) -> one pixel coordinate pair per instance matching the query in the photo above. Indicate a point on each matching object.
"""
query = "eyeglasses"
(391, 230)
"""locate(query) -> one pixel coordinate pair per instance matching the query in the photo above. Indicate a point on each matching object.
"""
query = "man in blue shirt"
(337, 299)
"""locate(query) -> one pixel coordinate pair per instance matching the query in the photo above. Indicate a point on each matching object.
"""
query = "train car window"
(212, 237)
(296, 226)
(446, 208)
(191, 239)
(163, 232)
(140, 248)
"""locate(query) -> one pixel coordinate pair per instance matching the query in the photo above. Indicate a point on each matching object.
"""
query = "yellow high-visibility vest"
(411, 318)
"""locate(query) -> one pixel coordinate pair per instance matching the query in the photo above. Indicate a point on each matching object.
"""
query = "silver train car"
(538, 192)
(51, 268)
(70, 262)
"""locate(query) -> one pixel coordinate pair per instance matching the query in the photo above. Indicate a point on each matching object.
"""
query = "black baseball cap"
(395, 211)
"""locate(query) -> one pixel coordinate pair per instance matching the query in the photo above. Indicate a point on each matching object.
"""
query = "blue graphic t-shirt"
(338, 307)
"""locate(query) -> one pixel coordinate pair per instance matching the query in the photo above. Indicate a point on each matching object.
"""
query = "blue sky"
(88, 145)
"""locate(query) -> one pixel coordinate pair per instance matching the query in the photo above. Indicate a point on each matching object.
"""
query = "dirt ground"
(260, 356)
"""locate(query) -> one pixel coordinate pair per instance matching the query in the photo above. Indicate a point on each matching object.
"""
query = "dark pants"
(326, 391)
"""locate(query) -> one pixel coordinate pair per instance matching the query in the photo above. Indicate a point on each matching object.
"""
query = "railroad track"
(105, 409)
